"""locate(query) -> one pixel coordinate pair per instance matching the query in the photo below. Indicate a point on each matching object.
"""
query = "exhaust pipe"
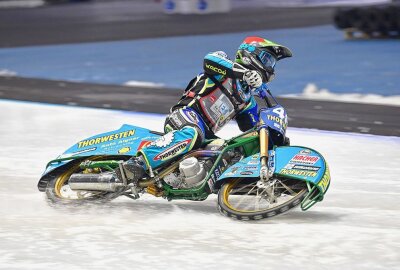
(92, 181)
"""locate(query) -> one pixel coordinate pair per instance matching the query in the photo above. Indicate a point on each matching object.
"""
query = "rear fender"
(121, 143)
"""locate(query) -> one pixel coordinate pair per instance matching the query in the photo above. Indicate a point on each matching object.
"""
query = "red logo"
(304, 159)
(143, 144)
(212, 98)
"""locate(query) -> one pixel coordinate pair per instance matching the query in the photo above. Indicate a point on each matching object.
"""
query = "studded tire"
(241, 214)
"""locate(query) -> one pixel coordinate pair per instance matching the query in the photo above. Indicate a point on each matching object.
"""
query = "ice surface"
(355, 227)
(21, 3)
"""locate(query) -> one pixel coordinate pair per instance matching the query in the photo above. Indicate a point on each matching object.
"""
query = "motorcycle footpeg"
(129, 171)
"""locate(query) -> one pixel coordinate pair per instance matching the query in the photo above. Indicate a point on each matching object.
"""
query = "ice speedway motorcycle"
(254, 178)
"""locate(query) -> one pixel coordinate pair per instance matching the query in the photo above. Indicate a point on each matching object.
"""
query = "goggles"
(267, 59)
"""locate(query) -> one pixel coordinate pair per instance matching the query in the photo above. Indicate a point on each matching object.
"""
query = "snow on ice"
(312, 92)
(355, 227)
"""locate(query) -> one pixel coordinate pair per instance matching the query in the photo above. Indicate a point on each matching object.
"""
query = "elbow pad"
(239, 71)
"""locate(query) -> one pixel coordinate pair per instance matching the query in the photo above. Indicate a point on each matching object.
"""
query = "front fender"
(294, 162)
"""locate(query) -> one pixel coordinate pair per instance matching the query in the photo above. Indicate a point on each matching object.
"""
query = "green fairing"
(109, 165)
(316, 193)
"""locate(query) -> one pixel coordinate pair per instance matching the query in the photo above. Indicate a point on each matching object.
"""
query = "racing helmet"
(260, 54)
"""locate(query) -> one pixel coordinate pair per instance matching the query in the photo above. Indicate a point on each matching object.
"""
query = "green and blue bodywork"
(295, 162)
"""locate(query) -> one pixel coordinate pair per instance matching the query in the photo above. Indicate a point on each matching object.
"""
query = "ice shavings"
(7, 73)
(143, 84)
(311, 91)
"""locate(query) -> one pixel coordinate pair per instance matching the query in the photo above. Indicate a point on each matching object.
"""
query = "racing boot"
(134, 169)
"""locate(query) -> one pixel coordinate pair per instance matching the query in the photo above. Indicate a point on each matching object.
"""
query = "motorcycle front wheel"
(244, 200)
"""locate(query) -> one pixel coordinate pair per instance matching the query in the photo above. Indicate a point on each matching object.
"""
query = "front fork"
(264, 153)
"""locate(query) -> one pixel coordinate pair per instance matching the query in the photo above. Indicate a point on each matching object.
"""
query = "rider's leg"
(185, 132)
(169, 146)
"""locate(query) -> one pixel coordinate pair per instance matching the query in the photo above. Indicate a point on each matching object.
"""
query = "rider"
(222, 93)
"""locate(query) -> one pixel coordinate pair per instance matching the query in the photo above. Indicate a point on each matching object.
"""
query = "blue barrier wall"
(321, 56)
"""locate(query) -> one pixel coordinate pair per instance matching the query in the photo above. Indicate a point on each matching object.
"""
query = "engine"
(191, 174)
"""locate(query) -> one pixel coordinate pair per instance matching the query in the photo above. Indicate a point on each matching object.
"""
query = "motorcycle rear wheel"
(241, 200)
(58, 190)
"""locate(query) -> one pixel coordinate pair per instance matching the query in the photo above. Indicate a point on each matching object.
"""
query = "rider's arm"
(248, 117)
(218, 63)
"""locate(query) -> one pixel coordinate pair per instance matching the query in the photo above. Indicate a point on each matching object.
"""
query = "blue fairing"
(275, 118)
(300, 163)
(289, 161)
(124, 141)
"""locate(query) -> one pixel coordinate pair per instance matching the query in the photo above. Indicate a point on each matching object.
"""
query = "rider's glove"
(252, 78)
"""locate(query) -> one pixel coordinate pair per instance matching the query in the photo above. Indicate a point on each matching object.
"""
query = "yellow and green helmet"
(260, 54)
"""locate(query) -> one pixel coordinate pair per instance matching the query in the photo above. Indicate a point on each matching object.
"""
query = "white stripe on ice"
(312, 92)
(355, 227)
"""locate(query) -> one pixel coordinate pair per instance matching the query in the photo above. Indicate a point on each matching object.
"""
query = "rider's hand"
(252, 78)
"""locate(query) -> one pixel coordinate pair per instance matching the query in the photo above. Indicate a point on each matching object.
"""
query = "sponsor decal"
(124, 150)
(298, 172)
(246, 60)
(250, 167)
(277, 120)
(164, 141)
(305, 152)
(324, 183)
(172, 151)
(216, 69)
(219, 170)
(246, 173)
(212, 98)
(302, 167)
(217, 173)
(192, 115)
(233, 171)
(306, 168)
(271, 160)
(304, 159)
(253, 162)
(106, 138)
(176, 119)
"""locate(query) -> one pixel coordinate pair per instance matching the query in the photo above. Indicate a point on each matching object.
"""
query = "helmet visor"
(267, 59)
